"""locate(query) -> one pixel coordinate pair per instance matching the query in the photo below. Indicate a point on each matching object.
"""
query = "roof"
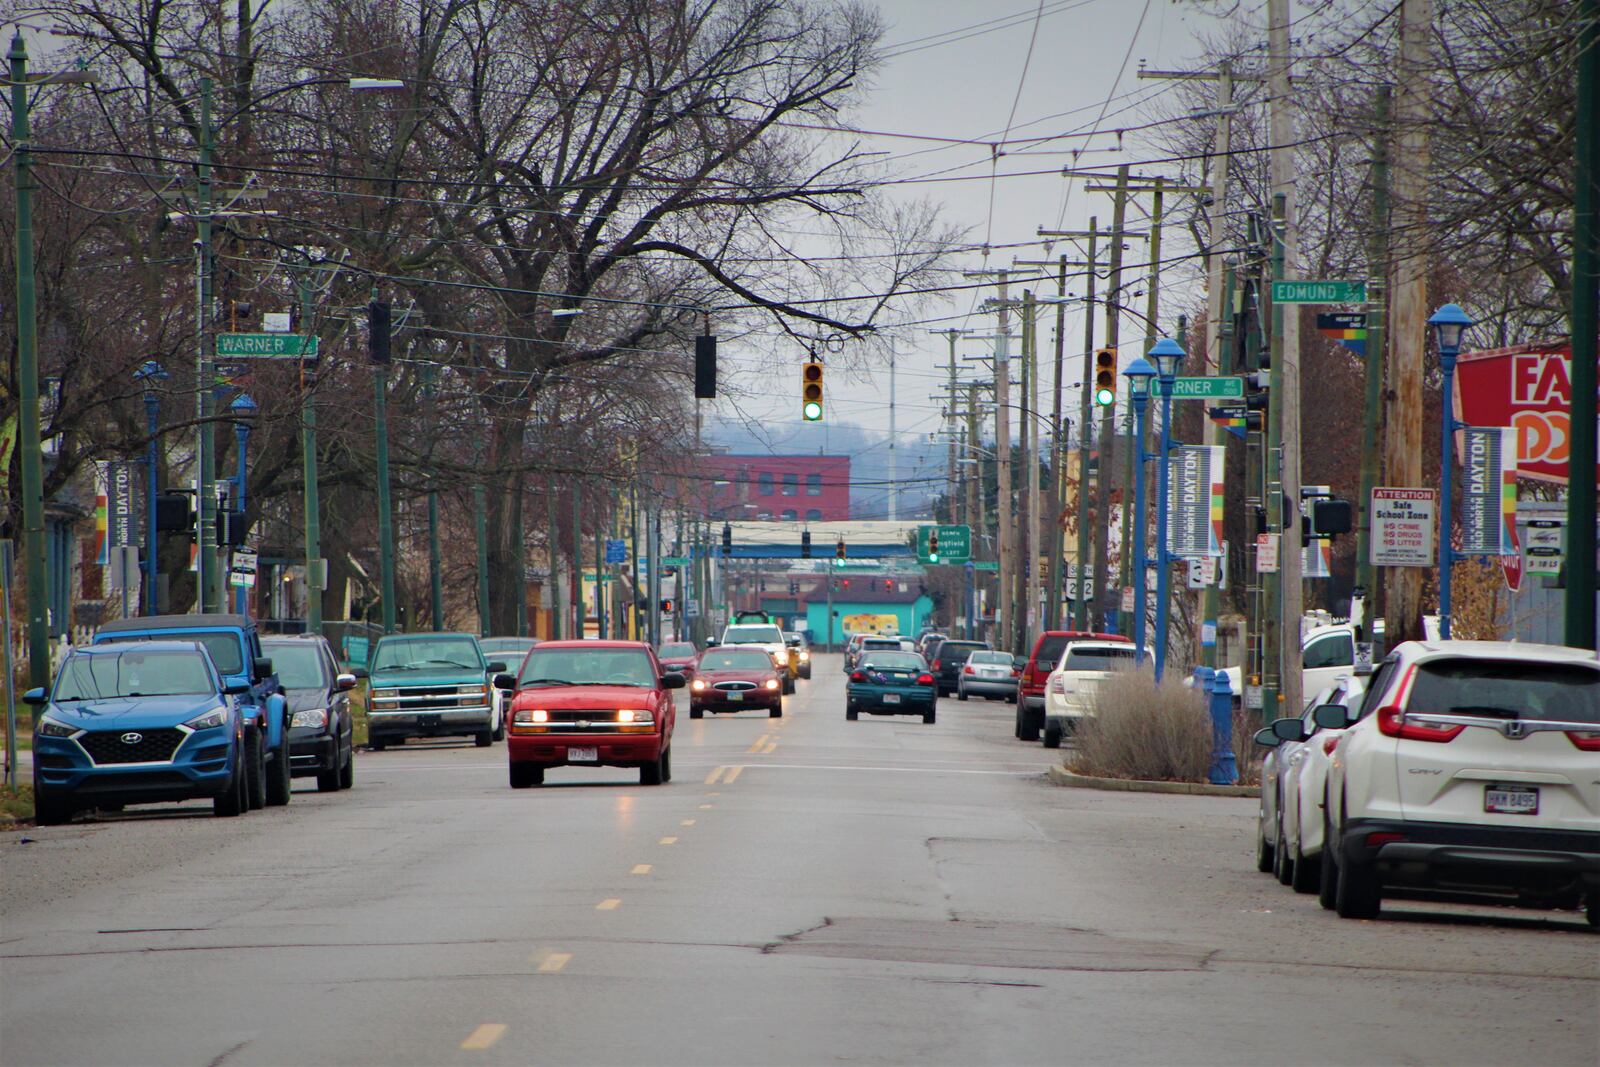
(120, 647)
(553, 646)
(179, 622)
(1502, 650)
(426, 635)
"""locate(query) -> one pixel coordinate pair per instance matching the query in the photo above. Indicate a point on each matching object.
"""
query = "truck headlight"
(531, 715)
(379, 694)
(317, 717)
(209, 721)
(638, 718)
(48, 727)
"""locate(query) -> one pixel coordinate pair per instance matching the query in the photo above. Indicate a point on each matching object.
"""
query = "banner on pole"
(1489, 490)
(1194, 501)
(102, 492)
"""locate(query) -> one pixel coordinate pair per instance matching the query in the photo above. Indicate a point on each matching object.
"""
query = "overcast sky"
(963, 85)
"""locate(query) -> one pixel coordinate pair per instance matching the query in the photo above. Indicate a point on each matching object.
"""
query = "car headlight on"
(531, 715)
(698, 684)
(804, 656)
(209, 721)
(48, 727)
(772, 683)
(317, 717)
(638, 718)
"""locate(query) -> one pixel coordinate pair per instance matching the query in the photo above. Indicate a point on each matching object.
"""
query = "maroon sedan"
(678, 656)
(733, 678)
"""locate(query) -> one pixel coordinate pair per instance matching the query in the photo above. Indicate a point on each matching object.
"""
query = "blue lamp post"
(1449, 323)
(1139, 373)
(149, 374)
(243, 410)
(1167, 355)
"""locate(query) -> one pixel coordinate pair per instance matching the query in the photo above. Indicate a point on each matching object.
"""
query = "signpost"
(616, 550)
(242, 575)
(1546, 546)
(266, 346)
(986, 565)
(955, 544)
(1207, 388)
(1266, 553)
(1319, 292)
(675, 561)
(1403, 526)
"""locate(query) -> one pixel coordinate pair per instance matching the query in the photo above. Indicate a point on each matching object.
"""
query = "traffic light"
(727, 539)
(839, 553)
(933, 545)
(377, 332)
(805, 544)
(173, 514)
(667, 605)
(811, 391)
(794, 588)
(705, 367)
(1105, 377)
(845, 585)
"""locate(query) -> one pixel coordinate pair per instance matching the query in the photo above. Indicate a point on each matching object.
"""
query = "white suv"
(1069, 691)
(1472, 766)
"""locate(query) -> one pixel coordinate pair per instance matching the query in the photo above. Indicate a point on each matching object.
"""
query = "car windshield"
(1508, 689)
(958, 651)
(894, 661)
(1097, 659)
(752, 635)
(518, 645)
(298, 665)
(983, 656)
(222, 645)
(103, 675)
(587, 666)
(676, 650)
(1050, 649)
(736, 659)
(420, 654)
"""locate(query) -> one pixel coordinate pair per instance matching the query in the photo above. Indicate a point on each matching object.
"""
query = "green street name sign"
(986, 565)
(1307, 292)
(1207, 388)
(266, 346)
(955, 544)
(675, 561)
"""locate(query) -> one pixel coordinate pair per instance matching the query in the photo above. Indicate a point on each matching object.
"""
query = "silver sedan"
(988, 674)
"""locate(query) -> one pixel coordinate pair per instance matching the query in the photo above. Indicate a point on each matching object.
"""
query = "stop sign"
(1511, 565)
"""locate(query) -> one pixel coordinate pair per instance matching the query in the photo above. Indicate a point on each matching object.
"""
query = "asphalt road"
(806, 891)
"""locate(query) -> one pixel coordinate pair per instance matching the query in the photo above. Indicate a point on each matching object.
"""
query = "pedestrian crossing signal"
(1105, 377)
(811, 392)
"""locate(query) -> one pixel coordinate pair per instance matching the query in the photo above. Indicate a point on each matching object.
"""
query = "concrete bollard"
(1224, 768)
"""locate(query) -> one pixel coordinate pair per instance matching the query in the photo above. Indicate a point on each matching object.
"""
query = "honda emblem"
(1514, 730)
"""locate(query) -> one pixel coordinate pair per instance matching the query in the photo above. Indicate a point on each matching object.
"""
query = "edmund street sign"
(1319, 292)
(266, 346)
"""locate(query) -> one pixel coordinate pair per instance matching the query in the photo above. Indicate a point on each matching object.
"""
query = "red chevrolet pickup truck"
(590, 704)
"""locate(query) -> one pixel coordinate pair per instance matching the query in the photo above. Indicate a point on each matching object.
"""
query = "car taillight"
(1384, 837)
(935, 664)
(968, 669)
(925, 679)
(1586, 740)
(1329, 744)
(857, 676)
(1391, 723)
(1015, 672)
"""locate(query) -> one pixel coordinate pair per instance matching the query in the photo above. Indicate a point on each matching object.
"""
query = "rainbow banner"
(1489, 490)
(1195, 491)
(102, 515)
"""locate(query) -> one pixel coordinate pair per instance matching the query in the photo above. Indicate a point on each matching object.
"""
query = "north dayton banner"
(1529, 388)
(1489, 490)
(1194, 501)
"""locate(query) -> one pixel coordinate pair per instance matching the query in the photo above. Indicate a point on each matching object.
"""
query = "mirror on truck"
(262, 665)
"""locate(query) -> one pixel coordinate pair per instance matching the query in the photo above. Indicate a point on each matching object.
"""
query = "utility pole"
(894, 474)
(28, 437)
(950, 463)
(1286, 359)
(1580, 601)
(1372, 404)
(435, 563)
(1029, 615)
(1152, 335)
(316, 573)
(1080, 603)
(1402, 444)
(480, 514)
(553, 556)
(380, 408)
(206, 562)
(1058, 466)
(1005, 625)
(1107, 598)
(1273, 617)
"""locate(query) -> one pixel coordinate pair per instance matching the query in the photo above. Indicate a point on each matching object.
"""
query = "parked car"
(988, 674)
(1073, 683)
(891, 682)
(589, 704)
(1046, 654)
(1469, 767)
(678, 657)
(1328, 653)
(946, 668)
(141, 723)
(431, 685)
(1298, 861)
(1289, 742)
(797, 641)
(234, 646)
(507, 650)
(736, 678)
(321, 728)
(770, 637)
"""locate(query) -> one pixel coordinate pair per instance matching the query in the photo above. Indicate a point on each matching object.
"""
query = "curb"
(1059, 775)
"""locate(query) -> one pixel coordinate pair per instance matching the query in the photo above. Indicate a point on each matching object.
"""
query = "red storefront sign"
(1528, 387)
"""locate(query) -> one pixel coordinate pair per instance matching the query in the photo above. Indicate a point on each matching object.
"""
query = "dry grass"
(1141, 730)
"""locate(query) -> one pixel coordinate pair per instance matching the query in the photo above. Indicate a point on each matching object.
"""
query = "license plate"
(1510, 800)
(734, 698)
(583, 755)
(427, 720)
(891, 698)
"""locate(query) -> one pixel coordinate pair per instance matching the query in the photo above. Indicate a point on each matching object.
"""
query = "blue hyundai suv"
(138, 723)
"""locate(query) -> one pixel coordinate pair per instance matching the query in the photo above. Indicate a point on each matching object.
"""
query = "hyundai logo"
(132, 738)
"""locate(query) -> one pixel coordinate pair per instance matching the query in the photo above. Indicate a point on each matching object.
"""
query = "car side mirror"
(1332, 716)
(344, 683)
(1288, 729)
(504, 681)
(497, 667)
(236, 689)
(262, 666)
(36, 696)
(1266, 738)
(672, 681)
(711, 642)
(359, 672)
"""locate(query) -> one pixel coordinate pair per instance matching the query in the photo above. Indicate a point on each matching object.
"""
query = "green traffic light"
(1104, 397)
(933, 557)
(811, 411)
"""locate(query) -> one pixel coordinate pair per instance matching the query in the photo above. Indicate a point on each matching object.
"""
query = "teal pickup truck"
(431, 685)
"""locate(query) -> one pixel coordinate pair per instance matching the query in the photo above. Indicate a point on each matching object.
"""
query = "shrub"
(1141, 730)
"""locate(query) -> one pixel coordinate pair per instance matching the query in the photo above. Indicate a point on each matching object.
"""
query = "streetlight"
(244, 409)
(1139, 373)
(1167, 355)
(1448, 323)
(150, 373)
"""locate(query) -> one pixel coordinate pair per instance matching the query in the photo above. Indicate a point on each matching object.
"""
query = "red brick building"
(787, 488)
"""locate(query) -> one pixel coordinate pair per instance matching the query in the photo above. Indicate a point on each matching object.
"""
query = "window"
(813, 485)
(1335, 650)
(791, 484)
(764, 483)
(813, 514)
(791, 515)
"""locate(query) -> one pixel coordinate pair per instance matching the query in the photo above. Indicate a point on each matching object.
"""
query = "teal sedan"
(890, 683)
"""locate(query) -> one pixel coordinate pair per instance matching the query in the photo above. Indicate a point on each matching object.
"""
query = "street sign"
(691, 609)
(1319, 292)
(266, 346)
(616, 550)
(243, 572)
(986, 565)
(1266, 553)
(675, 561)
(1403, 526)
(1349, 328)
(1207, 388)
(1546, 545)
(955, 544)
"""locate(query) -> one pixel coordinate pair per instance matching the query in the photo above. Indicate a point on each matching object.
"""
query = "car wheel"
(666, 765)
(788, 685)
(377, 744)
(1264, 854)
(961, 692)
(928, 717)
(806, 674)
(1594, 909)
(279, 779)
(651, 773)
(1284, 868)
(1052, 733)
(1307, 875)
(255, 771)
(483, 738)
(851, 714)
(526, 775)
(328, 780)
(1328, 883)
(347, 773)
(1360, 893)
(697, 713)
(777, 712)
(500, 728)
(1030, 727)
(49, 810)
(235, 799)
(1017, 730)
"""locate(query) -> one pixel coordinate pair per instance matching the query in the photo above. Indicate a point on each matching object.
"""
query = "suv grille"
(152, 746)
(434, 697)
